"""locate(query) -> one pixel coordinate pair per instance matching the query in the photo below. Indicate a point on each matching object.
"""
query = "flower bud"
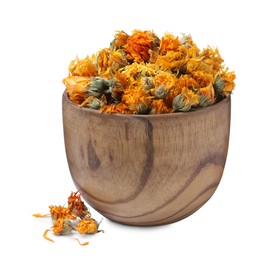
(180, 104)
(62, 226)
(160, 92)
(98, 86)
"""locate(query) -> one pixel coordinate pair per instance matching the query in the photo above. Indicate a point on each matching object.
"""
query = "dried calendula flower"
(73, 218)
(61, 212)
(62, 226)
(85, 67)
(184, 101)
(94, 103)
(88, 226)
(75, 204)
(139, 69)
(206, 96)
(120, 40)
(77, 88)
(137, 101)
(139, 43)
(158, 106)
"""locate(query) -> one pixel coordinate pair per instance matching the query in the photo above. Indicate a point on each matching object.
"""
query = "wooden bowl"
(146, 170)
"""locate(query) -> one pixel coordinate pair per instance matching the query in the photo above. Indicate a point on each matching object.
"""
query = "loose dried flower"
(76, 205)
(88, 226)
(58, 212)
(62, 226)
(74, 217)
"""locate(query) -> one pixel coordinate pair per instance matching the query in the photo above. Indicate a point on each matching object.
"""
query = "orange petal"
(46, 237)
(82, 244)
(38, 215)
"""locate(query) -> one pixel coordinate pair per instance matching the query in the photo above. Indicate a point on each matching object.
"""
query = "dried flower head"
(88, 226)
(58, 212)
(85, 67)
(62, 226)
(64, 219)
(139, 44)
(139, 70)
(75, 204)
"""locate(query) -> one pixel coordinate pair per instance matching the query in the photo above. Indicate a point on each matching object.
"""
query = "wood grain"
(146, 170)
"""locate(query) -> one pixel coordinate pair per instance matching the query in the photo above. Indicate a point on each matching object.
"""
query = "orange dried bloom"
(119, 108)
(61, 212)
(228, 78)
(87, 226)
(202, 78)
(207, 96)
(64, 219)
(75, 204)
(77, 88)
(120, 40)
(103, 62)
(62, 226)
(212, 61)
(121, 78)
(171, 61)
(158, 106)
(185, 100)
(182, 85)
(169, 43)
(85, 67)
(138, 70)
(139, 44)
(136, 100)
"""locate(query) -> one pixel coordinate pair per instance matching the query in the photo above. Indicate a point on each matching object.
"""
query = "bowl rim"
(215, 106)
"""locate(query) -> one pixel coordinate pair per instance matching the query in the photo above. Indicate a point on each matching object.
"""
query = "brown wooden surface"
(146, 170)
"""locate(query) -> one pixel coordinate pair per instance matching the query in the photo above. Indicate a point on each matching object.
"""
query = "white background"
(40, 38)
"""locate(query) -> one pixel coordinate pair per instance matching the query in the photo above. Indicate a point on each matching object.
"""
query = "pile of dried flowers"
(143, 74)
(75, 216)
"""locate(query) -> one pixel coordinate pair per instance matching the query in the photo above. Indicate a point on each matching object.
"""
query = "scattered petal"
(38, 215)
(46, 237)
(82, 244)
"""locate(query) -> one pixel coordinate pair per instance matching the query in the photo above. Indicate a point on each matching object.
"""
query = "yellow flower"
(169, 43)
(207, 96)
(62, 226)
(87, 226)
(76, 205)
(120, 40)
(85, 67)
(211, 60)
(158, 106)
(138, 70)
(137, 101)
(120, 108)
(77, 88)
(202, 78)
(103, 63)
(139, 44)
(172, 60)
(61, 212)
(228, 78)
(185, 100)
